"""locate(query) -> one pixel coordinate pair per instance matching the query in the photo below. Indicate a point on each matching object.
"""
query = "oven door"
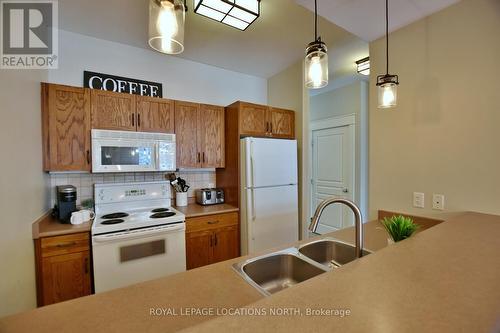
(125, 258)
(119, 155)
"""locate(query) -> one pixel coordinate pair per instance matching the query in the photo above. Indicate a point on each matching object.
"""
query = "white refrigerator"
(269, 203)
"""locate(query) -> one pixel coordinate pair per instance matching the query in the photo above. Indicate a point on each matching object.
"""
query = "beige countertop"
(194, 210)
(442, 280)
(48, 226)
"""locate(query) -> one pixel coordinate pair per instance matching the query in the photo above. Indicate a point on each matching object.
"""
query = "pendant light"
(316, 62)
(166, 25)
(387, 84)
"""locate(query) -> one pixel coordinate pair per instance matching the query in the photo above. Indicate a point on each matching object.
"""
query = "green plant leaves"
(399, 227)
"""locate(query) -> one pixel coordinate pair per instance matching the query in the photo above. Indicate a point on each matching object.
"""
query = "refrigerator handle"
(254, 213)
(252, 176)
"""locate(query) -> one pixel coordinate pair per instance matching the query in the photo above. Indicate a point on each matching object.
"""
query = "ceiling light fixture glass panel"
(218, 5)
(242, 15)
(250, 5)
(236, 13)
(234, 22)
(209, 12)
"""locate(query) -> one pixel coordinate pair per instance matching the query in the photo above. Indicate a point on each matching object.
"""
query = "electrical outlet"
(438, 201)
(418, 200)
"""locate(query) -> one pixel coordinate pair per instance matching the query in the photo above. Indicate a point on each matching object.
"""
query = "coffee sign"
(114, 83)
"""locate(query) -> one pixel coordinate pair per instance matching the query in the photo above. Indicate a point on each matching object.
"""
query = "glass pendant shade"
(316, 66)
(166, 25)
(387, 95)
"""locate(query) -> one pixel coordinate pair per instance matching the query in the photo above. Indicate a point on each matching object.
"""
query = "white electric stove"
(136, 235)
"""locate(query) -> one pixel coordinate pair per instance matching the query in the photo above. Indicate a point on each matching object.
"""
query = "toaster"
(209, 196)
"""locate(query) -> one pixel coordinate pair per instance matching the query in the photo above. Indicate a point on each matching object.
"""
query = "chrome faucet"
(358, 220)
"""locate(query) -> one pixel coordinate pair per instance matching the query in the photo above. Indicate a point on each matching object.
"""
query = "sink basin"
(330, 253)
(277, 271)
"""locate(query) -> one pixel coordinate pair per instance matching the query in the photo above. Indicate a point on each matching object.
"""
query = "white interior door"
(333, 175)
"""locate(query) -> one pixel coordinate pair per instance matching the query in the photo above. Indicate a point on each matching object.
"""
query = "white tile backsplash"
(84, 182)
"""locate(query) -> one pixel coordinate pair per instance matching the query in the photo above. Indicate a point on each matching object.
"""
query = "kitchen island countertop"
(441, 280)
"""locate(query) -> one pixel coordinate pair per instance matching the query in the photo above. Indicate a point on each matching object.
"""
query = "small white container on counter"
(181, 199)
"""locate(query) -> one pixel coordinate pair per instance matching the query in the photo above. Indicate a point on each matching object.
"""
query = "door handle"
(88, 156)
(133, 119)
(270, 127)
(203, 157)
(199, 160)
(345, 190)
(138, 120)
(215, 239)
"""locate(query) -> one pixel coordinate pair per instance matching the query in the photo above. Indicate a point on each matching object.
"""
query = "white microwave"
(122, 151)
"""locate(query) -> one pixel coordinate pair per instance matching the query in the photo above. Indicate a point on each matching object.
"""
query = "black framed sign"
(121, 84)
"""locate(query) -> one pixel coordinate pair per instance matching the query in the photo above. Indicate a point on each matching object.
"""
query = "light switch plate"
(438, 201)
(418, 199)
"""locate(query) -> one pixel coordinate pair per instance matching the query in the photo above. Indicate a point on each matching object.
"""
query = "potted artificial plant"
(399, 228)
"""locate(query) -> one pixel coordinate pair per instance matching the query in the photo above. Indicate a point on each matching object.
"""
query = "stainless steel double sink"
(279, 270)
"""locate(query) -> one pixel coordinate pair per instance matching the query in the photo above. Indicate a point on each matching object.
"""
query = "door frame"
(327, 123)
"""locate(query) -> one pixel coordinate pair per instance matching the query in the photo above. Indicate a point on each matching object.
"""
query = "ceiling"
(271, 44)
(366, 18)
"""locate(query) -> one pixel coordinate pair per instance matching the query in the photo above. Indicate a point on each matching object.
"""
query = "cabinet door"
(211, 136)
(198, 248)
(186, 127)
(155, 115)
(65, 277)
(282, 123)
(225, 244)
(66, 128)
(253, 120)
(113, 111)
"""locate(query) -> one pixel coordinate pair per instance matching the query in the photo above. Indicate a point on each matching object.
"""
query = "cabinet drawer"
(211, 222)
(57, 245)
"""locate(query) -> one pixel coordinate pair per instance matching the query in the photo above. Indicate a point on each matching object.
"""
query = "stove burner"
(114, 216)
(162, 215)
(113, 221)
(160, 210)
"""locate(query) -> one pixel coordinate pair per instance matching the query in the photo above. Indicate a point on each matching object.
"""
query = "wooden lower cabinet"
(63, 268)
(211, 239)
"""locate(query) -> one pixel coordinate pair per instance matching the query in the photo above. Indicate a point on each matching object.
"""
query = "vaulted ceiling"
(275, 41)
(366, 18)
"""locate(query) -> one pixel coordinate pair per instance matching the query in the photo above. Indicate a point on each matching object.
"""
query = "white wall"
(443, 137)
(182, 79)
(346, 100)
(23, 190)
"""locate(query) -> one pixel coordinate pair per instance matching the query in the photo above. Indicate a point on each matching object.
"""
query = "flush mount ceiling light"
(363, 66)
(387, 84)
(238, 14)
(166, 25)
(316, 62)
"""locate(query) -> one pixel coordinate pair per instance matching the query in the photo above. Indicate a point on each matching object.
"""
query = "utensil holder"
(181, 199)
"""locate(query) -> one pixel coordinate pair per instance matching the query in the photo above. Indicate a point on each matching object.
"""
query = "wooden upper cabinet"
(155, 115)
(113, 111)
(253, 119)
(282, 123)
(264, 121)
(211, 136)
(186, 132)
(65, 128)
